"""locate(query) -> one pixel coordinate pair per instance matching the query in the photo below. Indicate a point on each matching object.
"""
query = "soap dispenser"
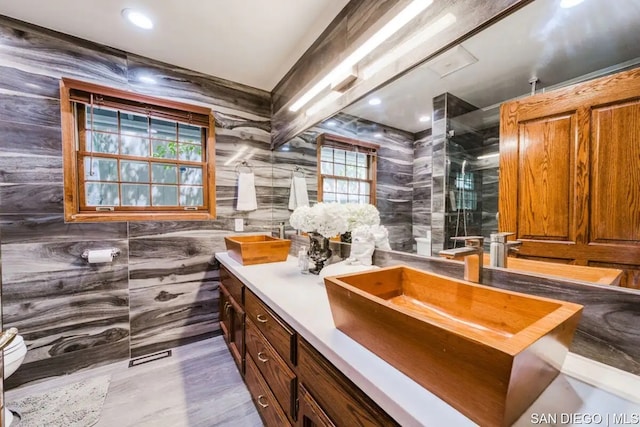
(303, 260)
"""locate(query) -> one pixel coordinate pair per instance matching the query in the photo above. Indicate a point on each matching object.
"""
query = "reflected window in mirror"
(346, 170)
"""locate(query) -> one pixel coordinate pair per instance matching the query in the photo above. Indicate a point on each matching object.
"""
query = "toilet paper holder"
(114, 253)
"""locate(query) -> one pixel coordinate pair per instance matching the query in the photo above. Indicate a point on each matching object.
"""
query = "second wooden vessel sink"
(257, 249)
(487, 352)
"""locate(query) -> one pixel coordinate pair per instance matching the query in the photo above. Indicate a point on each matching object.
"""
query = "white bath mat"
(74, 405)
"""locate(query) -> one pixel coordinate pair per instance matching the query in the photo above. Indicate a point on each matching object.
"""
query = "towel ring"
(243, 164)
(297, 171)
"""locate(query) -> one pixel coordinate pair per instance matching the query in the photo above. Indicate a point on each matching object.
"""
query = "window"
(134, 157)
(346, 170)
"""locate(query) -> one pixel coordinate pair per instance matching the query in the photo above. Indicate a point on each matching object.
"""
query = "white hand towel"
(298, 195)
(246, 192)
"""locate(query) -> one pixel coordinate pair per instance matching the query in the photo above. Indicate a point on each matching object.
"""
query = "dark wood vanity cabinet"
(289, 381)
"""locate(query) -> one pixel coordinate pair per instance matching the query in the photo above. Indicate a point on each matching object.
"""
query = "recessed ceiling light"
(566, 4)
(424, 118)
(377, 135)
(374, 101)
(138, 19)
(147, 79)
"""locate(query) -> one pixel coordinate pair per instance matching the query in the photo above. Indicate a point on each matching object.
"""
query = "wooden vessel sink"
(489, 353)
(599, 275)
(257, 249)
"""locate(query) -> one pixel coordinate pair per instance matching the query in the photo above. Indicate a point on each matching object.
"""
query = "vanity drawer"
(279, 335)
(275, 371)
(268, 408)
(234, 286)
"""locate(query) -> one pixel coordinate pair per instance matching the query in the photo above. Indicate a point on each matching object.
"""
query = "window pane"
(362, 173)
(164, 174)
(101, 194)
(362, 159)
(329, 197)
(326, 168)
(342, 198)
(339, 156)
(103, 119)
(164, 195)
(342, 185)
(190, 175)
(187, 133)
(191, 196)
(134, 146)
(339, 169)
(190, 152)
(351, 157)
(353, 187)
(353, 198)
(351, 171)
(134, 171)
(103, 169)
(326, 154)
(102, 142)
(364, 199)
(329, 184)
(132, 124)
(162, 129)
(135, 195)
(365, 188)
(165, 150)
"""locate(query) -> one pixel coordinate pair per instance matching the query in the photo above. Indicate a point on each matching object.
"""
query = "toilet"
(14, 354)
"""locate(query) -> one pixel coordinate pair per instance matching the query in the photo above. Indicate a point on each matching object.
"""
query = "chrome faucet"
(500, 247)
(472, 253)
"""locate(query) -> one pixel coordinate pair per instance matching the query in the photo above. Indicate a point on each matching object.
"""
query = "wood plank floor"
(199, 386)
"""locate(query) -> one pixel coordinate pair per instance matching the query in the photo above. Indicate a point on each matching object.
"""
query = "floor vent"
(149, 358)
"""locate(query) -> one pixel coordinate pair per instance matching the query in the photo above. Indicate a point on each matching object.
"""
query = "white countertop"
(301, 301)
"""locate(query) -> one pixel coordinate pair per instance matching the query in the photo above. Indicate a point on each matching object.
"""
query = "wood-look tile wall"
(422, 171)
(394, 187)
(162, 290)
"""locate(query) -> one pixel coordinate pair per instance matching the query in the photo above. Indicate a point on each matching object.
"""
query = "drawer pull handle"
(261, 318)
(264, 405)
(262, 358)
(227, 306)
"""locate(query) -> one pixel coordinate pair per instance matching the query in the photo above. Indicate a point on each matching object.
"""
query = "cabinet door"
(338, 397)
(236, 345)
(310, 413)
(569, 183)
(225, 314)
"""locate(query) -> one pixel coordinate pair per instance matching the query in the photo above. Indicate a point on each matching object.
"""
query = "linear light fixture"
(345, 67)
(406, 47)
(330, 97)
(488, 156)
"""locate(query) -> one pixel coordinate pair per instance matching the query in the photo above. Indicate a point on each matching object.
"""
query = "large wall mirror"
(426, 193)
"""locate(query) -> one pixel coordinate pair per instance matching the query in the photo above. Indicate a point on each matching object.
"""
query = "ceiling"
(540, 40)
(253, 42)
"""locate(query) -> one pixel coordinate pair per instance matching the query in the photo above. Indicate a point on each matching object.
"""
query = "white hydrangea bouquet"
(327, 219)
(332, 219)
(359, 215)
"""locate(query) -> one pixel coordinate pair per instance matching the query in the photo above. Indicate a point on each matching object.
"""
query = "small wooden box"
(489, 353)
(257, 249)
